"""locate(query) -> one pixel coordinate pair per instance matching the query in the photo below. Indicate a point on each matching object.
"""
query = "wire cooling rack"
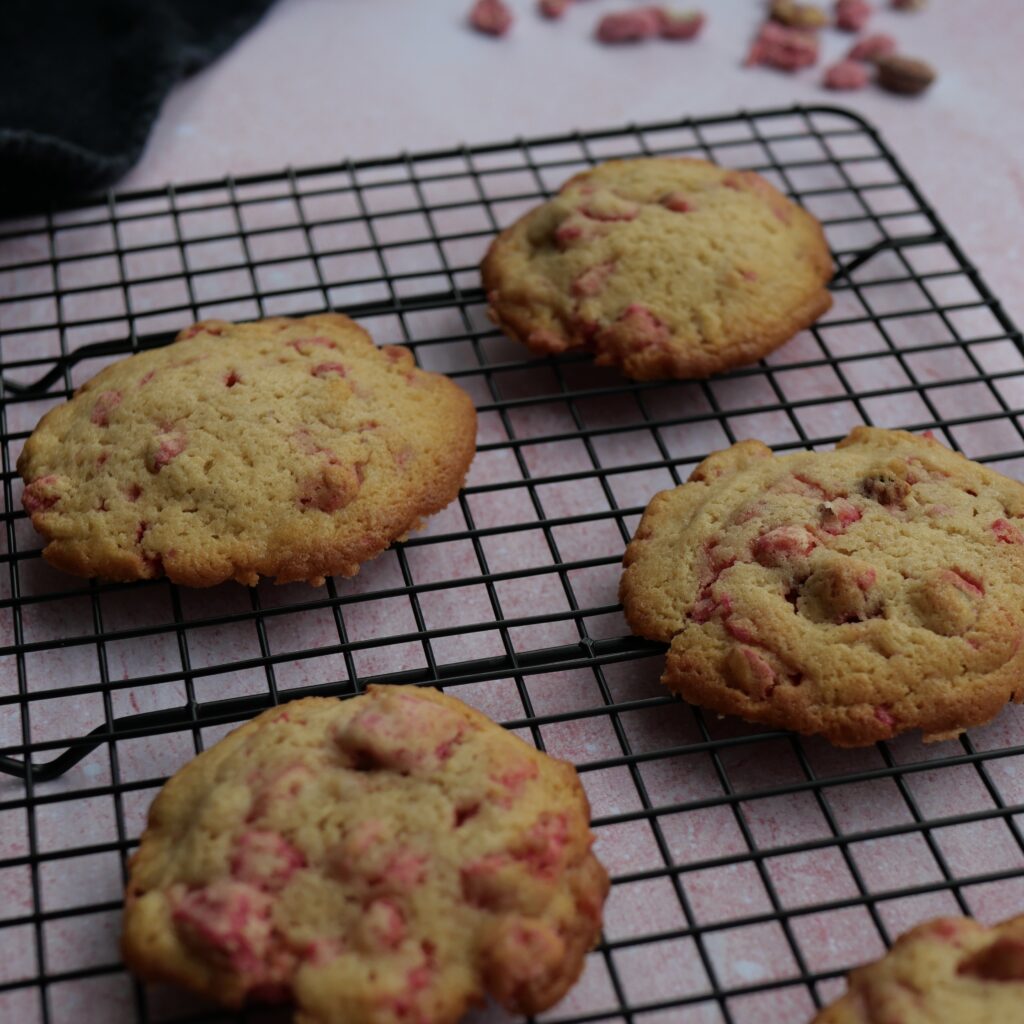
(751, 868)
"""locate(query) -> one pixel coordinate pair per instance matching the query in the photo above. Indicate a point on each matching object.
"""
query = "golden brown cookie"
(948, 971)
(388, 859)
(663, 267)
(856, 594)
(288, 448)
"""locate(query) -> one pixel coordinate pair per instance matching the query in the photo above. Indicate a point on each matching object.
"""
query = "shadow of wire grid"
(751, 868)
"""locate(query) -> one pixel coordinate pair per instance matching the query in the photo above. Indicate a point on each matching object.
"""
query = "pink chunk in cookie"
(229, 921)
(677, 202)
(884, 717)
(838, 514)
(752, 672)
(408, 1006)
(307, 346)
(741, 629)
(170, 443)
(547, 341)
(947, 929)
(1002, 960)
(521, 956)
(278, 789)
(383, 924)
(783, 543)
(403, 733)
(323, 951)
(487, 881)
(40, 495)
(966, 582)
(265, 859)
(201, 328)
(1006, 532)
(492, 17)
(544, 849)
(636, 328)
(406, 869)
(592, 280)
(328, 370)
(606, 206)
(106, 403)
(514, 776)
(572, 230)
(331, 489)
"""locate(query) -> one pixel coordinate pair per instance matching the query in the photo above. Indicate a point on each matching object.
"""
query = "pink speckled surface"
(320, 81)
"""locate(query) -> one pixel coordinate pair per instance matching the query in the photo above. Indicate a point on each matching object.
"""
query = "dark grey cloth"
(81, 82)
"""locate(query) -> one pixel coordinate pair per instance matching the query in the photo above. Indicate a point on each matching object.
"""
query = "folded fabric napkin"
(81, 82)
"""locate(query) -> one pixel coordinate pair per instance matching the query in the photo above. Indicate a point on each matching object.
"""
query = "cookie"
(388, 859)
(948, 971)
(288, 448)
(663, 267)
(855, 594)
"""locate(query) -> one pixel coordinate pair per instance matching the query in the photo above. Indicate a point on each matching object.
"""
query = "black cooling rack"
(751, 868)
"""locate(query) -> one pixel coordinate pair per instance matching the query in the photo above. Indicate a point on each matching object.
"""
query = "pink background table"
(318, 82)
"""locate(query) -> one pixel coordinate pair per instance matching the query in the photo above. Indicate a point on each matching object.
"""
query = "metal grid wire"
(751, 868)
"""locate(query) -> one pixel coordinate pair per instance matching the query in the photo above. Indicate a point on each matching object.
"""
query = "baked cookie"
(857, 593)
(287, 448)
(948, 971)
(388, 859)
(663, 267)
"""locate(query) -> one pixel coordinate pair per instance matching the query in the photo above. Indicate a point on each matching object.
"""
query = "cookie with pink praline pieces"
(854, 594)
(952, 970)
(294, 449)
(662, 267)
(393, 858)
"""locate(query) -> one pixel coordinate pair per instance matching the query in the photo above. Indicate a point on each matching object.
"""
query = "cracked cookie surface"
(663, 267)
(388, 859)
(855, 594)
(289, 448)
(948, 971)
